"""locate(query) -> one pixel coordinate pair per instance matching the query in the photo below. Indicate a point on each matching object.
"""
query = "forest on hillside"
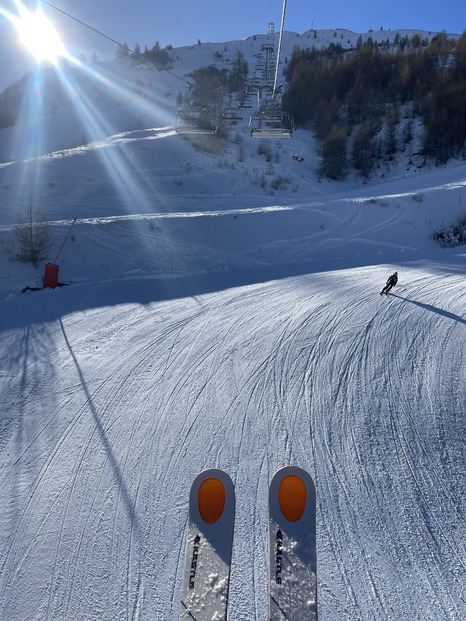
(354, 99)
(364, 105)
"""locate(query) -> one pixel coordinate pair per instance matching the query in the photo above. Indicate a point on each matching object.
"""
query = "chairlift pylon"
(270, 121)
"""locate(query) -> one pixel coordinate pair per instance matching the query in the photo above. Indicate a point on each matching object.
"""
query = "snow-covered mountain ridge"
(136, 88)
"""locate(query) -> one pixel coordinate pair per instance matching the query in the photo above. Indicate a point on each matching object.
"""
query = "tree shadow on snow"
(116, 471)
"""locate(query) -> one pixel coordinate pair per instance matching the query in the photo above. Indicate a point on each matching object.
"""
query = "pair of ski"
(292, 581)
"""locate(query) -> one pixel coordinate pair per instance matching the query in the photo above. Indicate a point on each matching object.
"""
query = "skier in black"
(391, 282)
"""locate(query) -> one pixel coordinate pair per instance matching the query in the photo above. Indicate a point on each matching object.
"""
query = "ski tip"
(292, 497)
(211, 499)
(292, 492)
(211, 492)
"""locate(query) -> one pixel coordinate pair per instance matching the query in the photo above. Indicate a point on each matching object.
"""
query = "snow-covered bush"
(454, 235)
(280, 183)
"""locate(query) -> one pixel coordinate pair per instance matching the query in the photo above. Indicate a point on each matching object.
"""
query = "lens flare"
(37, 34)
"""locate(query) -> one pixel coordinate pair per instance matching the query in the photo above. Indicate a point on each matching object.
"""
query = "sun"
(37, 34)
(39, 37)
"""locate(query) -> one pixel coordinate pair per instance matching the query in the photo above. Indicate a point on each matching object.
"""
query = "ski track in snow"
(309, 370)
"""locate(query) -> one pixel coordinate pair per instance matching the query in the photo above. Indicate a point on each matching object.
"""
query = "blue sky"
(183, 22)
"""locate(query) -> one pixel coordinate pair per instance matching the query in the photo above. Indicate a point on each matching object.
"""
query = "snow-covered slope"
(110, 411)
(213, 322)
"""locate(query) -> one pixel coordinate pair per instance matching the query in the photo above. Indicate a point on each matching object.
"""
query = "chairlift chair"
(271, 124)
(233, 114)
(195, 121)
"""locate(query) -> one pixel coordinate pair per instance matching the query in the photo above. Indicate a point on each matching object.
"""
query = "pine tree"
(362, 148)
(239, 74)
(460, 56)
(33, 237)
(334, 162)
(122, 51)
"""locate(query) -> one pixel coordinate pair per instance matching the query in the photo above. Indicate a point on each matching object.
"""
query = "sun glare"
(37, 34)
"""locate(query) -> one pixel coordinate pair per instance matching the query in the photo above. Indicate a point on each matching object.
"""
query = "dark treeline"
(23, 97)
(211, 84)
(349, 97)
(159, 57)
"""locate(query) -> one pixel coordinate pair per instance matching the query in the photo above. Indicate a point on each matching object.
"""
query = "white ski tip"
(293, 496)
(292, 546)
(206, 576)
(212, 497)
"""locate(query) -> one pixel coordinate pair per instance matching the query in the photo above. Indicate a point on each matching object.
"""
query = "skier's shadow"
(431, 308)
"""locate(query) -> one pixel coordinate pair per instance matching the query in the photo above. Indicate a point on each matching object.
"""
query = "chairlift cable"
(113, 40)
(279, 49)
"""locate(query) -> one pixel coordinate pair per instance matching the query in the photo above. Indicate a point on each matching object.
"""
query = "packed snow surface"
(211, 320)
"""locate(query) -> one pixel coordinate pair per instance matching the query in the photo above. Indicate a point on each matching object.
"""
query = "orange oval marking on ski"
(211, 500)
(292, 497)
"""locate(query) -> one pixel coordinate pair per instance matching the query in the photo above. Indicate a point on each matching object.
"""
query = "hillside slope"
(212, 322)
(109, 413)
